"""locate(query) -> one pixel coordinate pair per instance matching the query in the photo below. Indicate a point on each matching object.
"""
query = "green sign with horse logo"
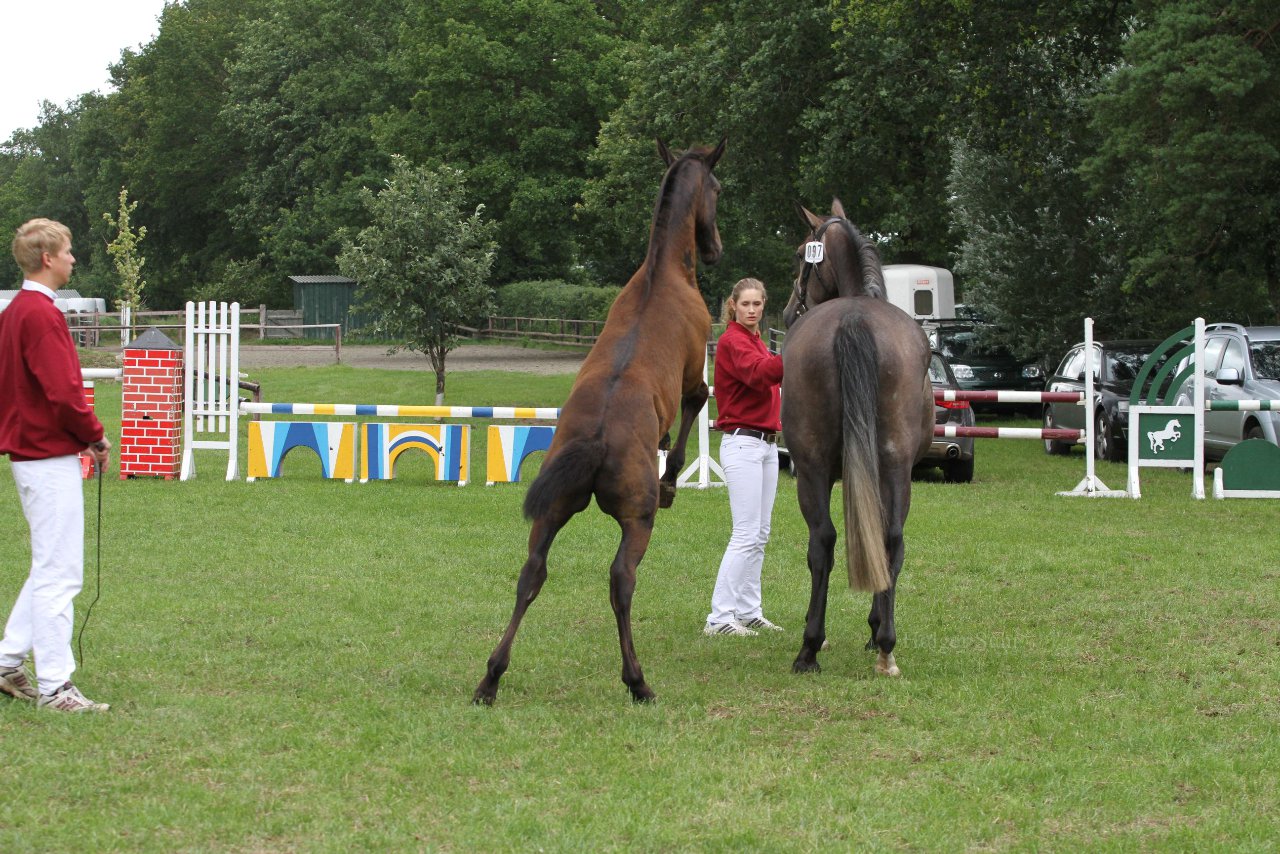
(1162, 436)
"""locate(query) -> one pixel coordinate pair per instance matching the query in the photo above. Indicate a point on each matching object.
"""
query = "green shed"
(325, 299)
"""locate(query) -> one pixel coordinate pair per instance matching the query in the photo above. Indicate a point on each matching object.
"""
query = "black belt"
(771, 438)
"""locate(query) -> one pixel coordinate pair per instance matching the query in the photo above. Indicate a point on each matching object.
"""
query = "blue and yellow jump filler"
(334, 443)
(448, 445)
(511, 445)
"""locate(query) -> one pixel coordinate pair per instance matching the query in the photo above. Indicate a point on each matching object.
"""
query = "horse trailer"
(925, 293)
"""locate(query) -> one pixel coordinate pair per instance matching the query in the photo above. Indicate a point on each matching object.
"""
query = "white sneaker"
(16, 682)
(760, 623)
(69, 699)
(733, 627)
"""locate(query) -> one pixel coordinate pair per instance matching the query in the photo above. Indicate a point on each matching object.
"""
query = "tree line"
(1112, 158)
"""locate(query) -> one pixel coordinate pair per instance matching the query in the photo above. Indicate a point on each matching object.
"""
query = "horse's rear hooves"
(804, 666)
(666, 495)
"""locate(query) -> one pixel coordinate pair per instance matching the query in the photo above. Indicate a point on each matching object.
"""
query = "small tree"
(423, 264)
(124, 254)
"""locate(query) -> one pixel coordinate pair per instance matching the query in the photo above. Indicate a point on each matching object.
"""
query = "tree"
(1031, 252)
(36, 168)
(512, 92)
(306, 81)
(748, 70)
(423, 264)
(123, 250)
(1029, 255)
(176, 151)
(1190, 160)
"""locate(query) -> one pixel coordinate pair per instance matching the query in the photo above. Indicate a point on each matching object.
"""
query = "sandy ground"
(467, 357)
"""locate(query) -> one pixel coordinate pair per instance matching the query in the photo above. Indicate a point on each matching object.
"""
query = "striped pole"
(1057, 434)
(1009, 396)
(1241, 405)
(397, 411)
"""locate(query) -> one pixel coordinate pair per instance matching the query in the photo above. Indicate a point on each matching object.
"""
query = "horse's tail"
(572, 470)
(868, 563)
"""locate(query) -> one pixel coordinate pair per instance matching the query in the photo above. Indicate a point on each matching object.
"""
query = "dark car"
(953, 455)
(1115, 368)
(979, 365)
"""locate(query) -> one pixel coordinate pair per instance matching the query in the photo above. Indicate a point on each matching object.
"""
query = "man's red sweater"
(43, 412)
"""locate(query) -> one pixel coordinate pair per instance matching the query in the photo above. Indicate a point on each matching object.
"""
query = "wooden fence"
(89, 328)
(575, 333)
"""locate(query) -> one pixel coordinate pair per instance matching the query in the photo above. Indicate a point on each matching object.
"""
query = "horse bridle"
(801, 289)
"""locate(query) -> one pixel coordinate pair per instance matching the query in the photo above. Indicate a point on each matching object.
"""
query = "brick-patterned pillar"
(87, 467)
(151, 407)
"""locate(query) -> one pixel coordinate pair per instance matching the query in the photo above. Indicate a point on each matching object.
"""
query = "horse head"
(691, 174)
(834, 261)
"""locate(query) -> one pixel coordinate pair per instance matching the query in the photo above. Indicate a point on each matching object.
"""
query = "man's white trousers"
(52, 495)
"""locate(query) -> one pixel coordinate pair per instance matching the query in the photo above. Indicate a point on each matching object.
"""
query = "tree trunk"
(437, 355)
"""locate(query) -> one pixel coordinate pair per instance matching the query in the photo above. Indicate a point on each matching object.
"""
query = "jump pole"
(1091, 486)
(704, 465)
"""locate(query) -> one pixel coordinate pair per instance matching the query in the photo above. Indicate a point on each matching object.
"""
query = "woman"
(747, 381)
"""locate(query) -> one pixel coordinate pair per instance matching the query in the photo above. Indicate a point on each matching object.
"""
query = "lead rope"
(98, 592)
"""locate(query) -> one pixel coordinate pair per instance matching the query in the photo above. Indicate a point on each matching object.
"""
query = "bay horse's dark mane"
(667, 201)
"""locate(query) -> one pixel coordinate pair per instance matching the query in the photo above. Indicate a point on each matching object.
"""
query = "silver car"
(955, 455)
(1241, 363)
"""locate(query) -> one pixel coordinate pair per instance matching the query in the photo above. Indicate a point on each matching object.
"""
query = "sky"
(57, 50)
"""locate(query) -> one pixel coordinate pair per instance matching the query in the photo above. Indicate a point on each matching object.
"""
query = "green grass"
(290, 664)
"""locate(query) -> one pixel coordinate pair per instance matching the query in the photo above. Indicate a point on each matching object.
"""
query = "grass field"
(290, 664)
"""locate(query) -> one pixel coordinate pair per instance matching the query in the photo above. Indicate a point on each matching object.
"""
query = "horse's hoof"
(666, 495)
(885, 665)
(484, 695)
(802, 665)
(643, 694)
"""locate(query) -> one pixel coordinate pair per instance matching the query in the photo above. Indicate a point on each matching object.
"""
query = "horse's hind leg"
(690, 405)
(884, 635)
(532, 576)
(815, 504)
(622, 584)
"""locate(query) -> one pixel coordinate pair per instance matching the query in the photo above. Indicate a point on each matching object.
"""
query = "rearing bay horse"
(857, 405)
(646, 364)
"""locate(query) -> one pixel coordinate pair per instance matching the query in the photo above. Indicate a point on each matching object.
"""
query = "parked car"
(982, 366)
(953, 456)
(1115, 368)
(1240, 363)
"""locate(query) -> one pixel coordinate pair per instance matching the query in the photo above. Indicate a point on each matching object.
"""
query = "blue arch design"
(300, 434)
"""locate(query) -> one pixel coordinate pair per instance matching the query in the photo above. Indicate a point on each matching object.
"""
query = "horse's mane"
(867, 258)
(667, 197)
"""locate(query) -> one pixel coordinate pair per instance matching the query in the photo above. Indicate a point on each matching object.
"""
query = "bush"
(555, 298)
(246, 282)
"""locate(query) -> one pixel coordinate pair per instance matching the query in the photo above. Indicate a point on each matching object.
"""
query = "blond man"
(44, 425)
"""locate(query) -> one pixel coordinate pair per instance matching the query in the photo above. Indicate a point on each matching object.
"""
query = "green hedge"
(555, 298)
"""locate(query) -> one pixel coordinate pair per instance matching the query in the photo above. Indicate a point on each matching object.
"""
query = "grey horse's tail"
(571, 472)
(868, 562)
